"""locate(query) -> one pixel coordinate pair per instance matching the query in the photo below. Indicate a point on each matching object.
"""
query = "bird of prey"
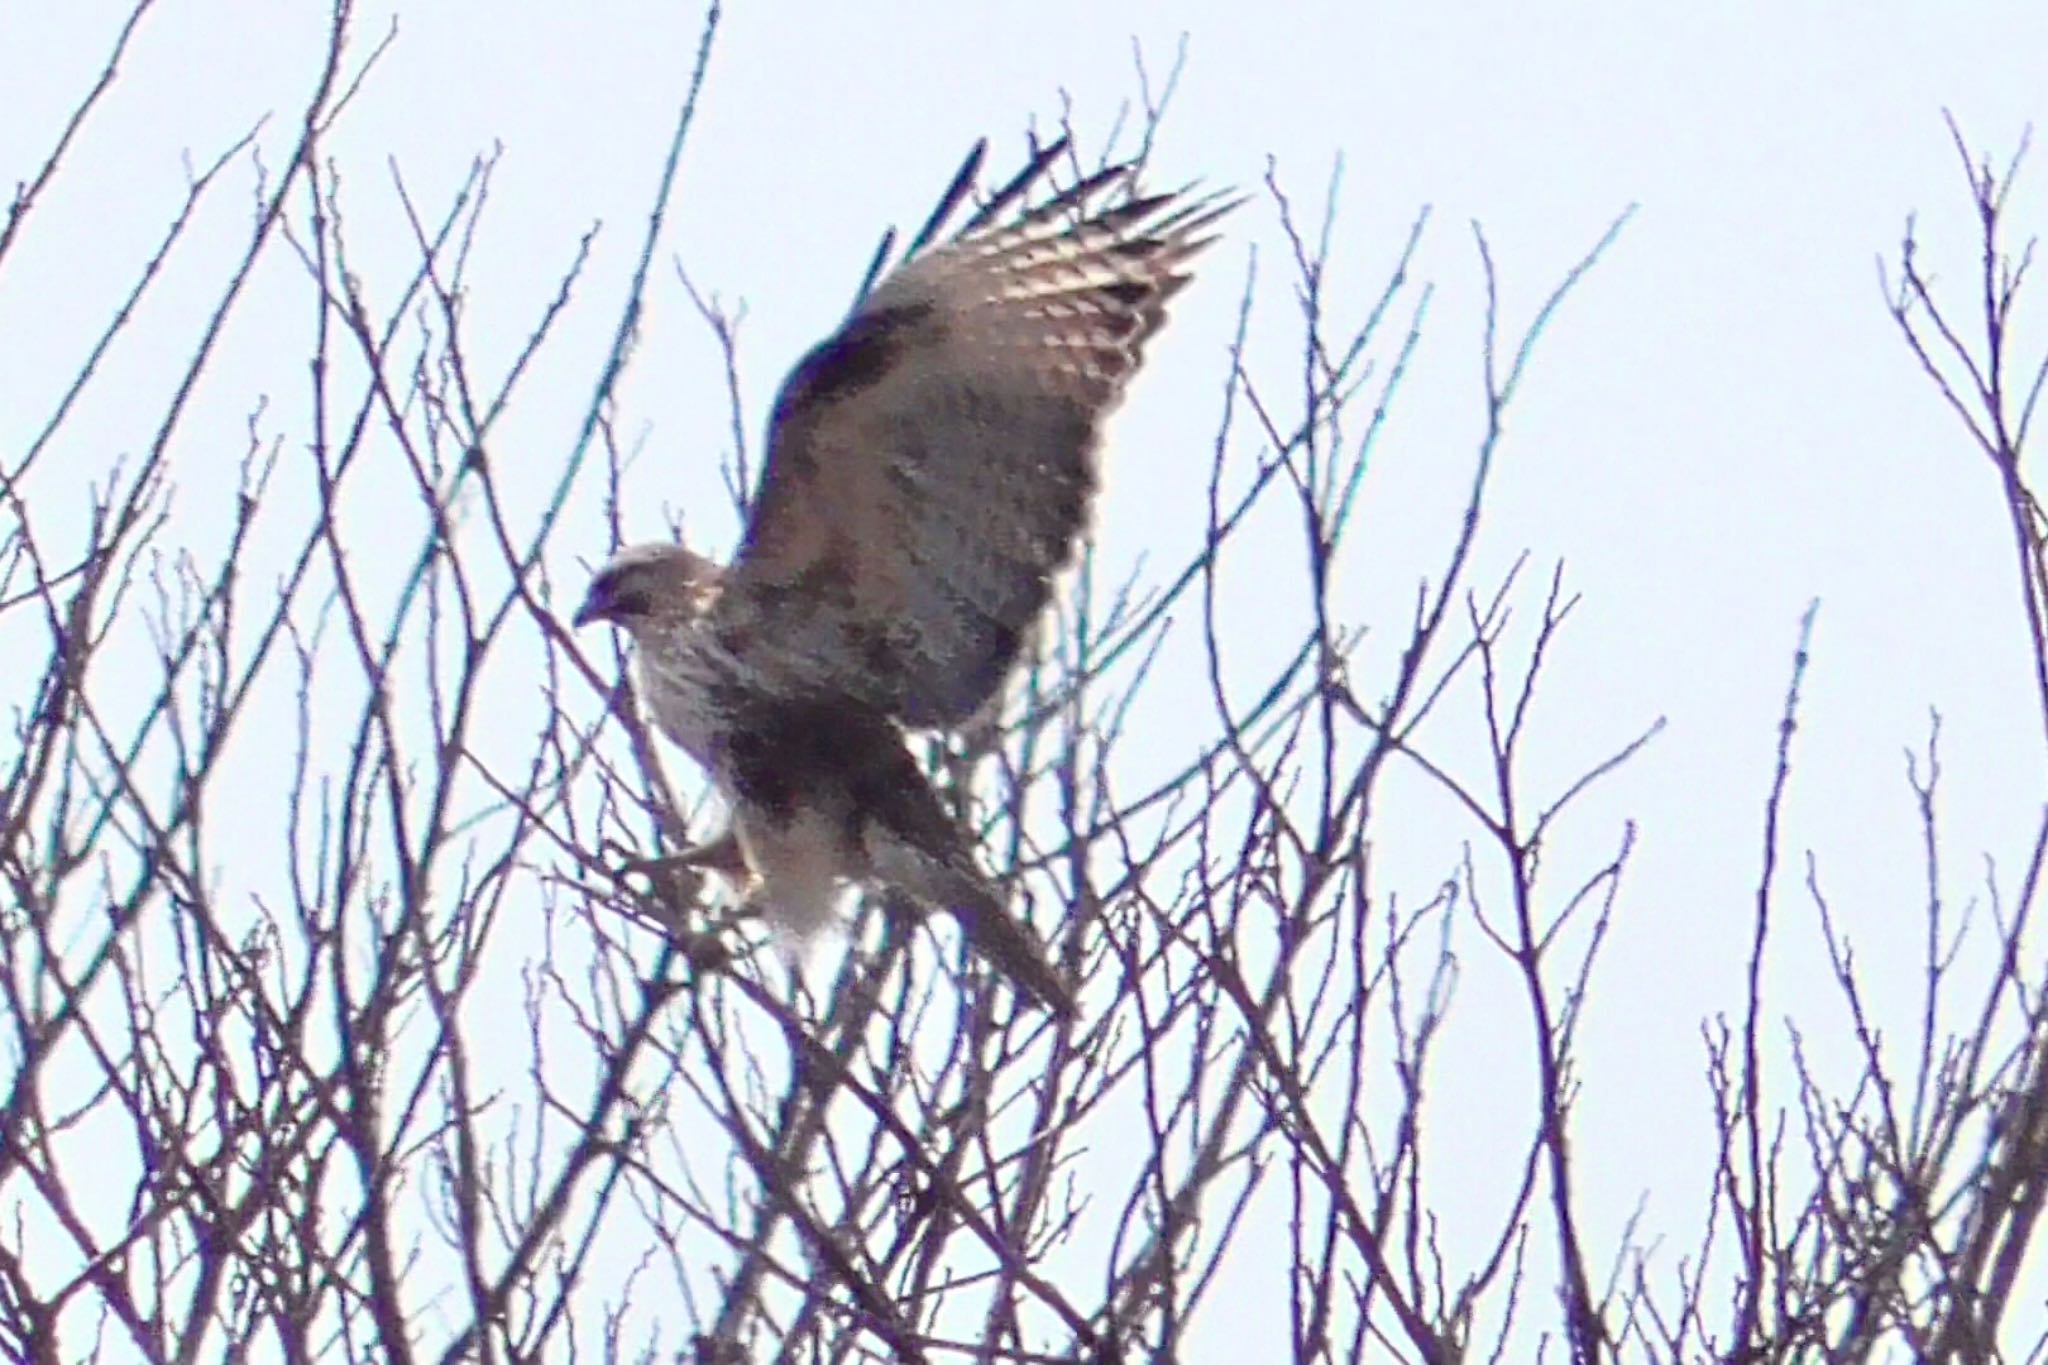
(929, 472)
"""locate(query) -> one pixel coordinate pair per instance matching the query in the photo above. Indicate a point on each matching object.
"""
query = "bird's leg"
(676, 892)
(721, 854)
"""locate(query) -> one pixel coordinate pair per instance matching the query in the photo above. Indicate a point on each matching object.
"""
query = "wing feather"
(930, 465)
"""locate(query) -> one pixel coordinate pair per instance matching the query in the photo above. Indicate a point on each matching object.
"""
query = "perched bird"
(929, 473)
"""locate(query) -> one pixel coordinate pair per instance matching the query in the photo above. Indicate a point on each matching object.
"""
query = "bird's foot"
(677, 899)
(676, 894)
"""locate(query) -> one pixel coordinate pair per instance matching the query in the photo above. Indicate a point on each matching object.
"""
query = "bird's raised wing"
(930, 465)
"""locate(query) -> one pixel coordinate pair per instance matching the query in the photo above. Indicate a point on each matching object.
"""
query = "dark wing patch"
(850, 360)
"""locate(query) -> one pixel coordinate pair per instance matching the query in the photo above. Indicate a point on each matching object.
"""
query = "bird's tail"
(999, 937)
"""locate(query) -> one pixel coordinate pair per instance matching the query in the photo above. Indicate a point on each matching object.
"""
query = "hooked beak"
(613, 602)
(600, 603)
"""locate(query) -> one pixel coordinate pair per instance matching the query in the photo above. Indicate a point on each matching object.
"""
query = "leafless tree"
(344, 1017)
(1889, 1217)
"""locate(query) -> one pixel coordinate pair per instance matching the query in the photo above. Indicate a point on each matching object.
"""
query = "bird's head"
(649, 585)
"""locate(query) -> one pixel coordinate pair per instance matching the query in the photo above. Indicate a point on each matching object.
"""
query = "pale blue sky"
(1721, 425)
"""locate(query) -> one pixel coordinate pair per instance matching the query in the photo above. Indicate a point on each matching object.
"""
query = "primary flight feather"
(929, 473)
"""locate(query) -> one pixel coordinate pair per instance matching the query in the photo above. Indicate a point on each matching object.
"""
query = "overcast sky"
(1721, 425)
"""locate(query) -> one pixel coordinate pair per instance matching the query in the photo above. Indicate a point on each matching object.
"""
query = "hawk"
(929, 472)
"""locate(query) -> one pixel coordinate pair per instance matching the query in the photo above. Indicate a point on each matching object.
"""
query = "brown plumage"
(929, 473)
